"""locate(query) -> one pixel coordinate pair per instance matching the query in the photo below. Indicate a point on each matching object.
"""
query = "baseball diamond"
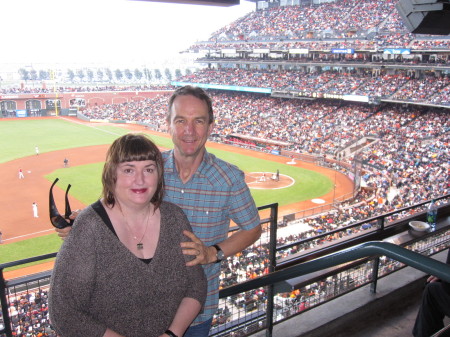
(15, 205)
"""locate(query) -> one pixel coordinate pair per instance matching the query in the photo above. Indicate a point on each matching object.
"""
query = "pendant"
(140, 246)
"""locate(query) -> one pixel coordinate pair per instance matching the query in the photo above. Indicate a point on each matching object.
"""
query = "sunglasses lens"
(59, 222)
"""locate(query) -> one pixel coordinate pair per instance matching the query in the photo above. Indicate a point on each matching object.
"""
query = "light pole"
(55, 91)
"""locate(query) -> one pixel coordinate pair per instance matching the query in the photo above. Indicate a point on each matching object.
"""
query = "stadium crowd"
(409, 145)
(88, 88)
(401, 86)
(295, 22)
(29, 314)
(362, 25)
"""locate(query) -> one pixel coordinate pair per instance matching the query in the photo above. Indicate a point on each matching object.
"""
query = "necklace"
(139, 245)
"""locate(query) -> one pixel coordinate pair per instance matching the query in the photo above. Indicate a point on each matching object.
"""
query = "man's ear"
(210, 128)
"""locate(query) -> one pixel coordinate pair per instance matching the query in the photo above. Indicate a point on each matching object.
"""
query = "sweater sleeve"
(72, 281)
(195, 274)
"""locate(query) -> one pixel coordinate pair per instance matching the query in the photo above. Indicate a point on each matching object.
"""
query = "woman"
(121, 271)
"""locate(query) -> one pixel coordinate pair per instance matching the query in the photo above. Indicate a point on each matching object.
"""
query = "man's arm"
(240, 240)
(230, 246)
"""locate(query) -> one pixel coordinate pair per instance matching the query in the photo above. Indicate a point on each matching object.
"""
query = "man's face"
(189, 126)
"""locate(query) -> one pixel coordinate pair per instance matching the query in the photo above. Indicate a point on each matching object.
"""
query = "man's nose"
(189, 128)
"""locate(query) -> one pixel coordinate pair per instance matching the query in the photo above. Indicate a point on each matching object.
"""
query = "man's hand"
(432, 279)
(63, 232)
(203, 254)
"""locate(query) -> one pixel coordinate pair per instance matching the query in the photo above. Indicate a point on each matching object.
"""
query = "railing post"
(380, 223)
(6, 320)
(272, 265)
(373, 284)
(376, 261)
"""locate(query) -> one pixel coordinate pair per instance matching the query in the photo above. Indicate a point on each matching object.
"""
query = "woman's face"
(136, 183)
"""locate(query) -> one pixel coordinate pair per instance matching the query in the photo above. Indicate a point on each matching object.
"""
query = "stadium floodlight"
(425, 16)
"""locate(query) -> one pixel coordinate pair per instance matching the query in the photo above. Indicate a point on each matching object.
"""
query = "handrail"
(380, 219)
(410, 258)
(27, 260)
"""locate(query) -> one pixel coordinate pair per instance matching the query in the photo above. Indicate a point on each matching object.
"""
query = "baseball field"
(84, 145)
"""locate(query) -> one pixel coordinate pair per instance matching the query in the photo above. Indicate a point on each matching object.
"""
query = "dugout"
(274, 146)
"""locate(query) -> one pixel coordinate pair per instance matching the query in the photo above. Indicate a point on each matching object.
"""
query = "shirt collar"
(169, 165)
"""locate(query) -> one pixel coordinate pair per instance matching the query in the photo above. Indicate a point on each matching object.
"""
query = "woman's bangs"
(138, 152)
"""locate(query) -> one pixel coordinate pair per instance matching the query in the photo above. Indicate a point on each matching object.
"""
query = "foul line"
(30, 234)
(90, 126)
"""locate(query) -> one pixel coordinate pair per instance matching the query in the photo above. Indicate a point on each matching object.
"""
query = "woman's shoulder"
(167, 207)
(87, 211)
(88, 215)
(174, 216)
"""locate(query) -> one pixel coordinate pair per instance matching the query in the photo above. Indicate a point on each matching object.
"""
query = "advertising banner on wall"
(342, 51)
(397, 51)
(21, 113)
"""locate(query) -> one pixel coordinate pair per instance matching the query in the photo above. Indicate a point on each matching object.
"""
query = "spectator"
(123, 257)
(434, 307)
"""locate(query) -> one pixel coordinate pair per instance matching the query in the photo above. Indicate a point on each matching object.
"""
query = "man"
(434, 307)
(210, 191)
(35, 210)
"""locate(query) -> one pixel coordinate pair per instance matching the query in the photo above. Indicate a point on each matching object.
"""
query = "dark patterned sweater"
(97, 283)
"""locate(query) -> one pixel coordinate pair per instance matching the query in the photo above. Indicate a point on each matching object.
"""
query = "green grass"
(19, 137)
(29, 248)
(86, 180)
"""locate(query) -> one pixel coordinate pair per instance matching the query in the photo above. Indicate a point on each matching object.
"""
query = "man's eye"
(127, 171)
(150, 170)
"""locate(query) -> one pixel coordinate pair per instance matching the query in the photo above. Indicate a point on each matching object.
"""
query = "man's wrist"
(220, 256)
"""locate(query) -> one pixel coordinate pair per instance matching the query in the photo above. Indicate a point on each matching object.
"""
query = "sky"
(86, 32)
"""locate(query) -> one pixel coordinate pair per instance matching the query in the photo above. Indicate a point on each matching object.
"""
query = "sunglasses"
(55, 218)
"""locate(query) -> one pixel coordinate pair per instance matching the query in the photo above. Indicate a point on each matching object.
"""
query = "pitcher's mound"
(268, 180)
